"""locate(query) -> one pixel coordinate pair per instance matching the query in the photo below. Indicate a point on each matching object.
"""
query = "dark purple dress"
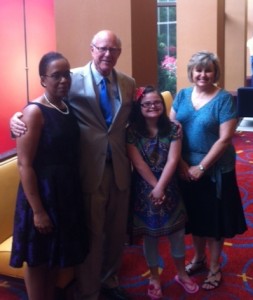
(57, 169)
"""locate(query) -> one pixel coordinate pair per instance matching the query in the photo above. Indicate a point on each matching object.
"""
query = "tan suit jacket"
(95, 136)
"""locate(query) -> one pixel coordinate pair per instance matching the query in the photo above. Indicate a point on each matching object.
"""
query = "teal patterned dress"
(146, 218)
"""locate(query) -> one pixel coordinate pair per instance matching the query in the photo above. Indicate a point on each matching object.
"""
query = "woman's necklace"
(200, 99)
(54, 106)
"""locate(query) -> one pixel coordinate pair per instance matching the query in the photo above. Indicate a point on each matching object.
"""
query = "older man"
(104, 166)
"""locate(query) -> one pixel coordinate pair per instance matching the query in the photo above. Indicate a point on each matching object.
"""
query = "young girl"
(154, 148)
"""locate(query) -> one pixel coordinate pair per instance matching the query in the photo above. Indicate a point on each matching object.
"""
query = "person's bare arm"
(169, 169)
(172, 114)
(226, 133)
(17, 126)
(182, 166)
(143, 169)
(173, 119)
(140, 165)
(26, 149)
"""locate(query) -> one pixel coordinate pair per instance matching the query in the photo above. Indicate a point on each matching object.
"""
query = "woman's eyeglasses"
(57, 76)
(157, 103)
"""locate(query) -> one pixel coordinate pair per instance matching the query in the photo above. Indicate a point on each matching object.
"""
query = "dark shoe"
(213, 281)
(195, 267)
(117, 293)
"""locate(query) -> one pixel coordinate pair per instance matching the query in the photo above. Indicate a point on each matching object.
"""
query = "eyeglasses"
(103, 50)
(57, 76)
(157, 103)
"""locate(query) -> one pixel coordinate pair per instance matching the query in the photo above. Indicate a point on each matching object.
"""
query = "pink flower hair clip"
(139, 93)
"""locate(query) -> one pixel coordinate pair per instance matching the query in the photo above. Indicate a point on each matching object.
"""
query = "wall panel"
(40, 39)
(134, 21)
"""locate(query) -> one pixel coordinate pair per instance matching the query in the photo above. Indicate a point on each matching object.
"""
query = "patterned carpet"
(236, 262)
(12, 289)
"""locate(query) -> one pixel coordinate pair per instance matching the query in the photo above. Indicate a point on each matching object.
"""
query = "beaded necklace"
(54, 106)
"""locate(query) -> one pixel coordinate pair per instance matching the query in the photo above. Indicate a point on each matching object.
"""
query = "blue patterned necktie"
(105, 102)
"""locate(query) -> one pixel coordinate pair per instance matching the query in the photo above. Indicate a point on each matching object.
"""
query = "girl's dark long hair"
(137, 120)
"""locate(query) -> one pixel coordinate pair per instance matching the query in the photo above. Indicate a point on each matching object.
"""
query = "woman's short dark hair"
(47, 59)
(204, 59)
(137, 120)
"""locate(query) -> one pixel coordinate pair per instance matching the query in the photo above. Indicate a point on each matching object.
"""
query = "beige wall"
(235, 44)
(144, 41)
(249, 33)
(221, 26)
(133, 20)
(197, 29)
(218, 26)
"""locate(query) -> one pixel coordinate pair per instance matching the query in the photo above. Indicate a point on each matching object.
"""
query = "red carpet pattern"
(237, 255)
(12, 289)
(236, 262)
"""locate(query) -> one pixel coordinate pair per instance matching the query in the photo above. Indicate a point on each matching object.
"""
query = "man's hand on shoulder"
(17, 127)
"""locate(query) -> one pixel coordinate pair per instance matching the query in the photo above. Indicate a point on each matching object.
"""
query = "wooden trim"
(8, 154)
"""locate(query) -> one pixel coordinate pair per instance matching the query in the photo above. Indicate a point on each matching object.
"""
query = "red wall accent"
(41, 38)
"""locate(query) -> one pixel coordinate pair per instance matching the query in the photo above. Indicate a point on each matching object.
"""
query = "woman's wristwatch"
(202, 168)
